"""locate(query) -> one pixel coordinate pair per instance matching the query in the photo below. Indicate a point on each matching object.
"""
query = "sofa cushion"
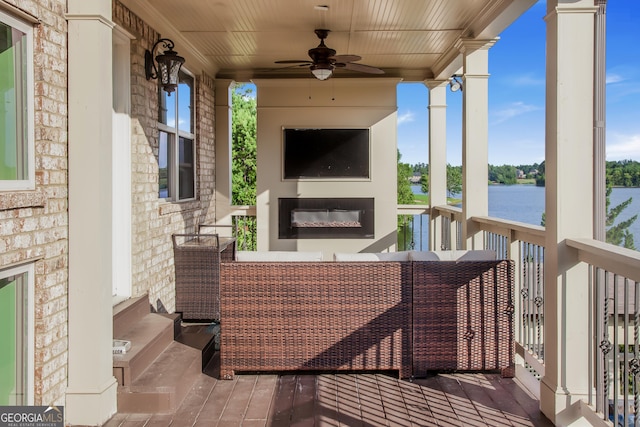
(423, 256)
(456, 255)
(478, 255)
(371, 256)
(277, 256)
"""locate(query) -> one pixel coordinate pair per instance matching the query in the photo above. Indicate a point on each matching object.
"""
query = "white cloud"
(406, 117)
(527, 80)
(623, 147)
(614, 78)
(513, 110)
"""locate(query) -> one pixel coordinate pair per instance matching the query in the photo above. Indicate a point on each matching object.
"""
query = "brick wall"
(154, 221)
(33, 224)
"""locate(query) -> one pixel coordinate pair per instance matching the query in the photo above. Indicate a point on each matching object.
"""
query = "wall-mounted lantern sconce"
(169, 64)
(455, 84)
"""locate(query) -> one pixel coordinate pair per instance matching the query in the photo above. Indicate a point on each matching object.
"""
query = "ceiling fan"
(324, 60)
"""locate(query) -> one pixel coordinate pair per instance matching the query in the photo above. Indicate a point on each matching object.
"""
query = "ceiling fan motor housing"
(324, 60)
(322, 53)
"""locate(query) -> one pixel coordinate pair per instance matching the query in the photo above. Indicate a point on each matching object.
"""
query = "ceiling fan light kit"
(324, 60)
(322, 71)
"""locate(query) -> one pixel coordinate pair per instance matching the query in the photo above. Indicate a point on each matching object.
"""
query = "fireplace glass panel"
(326, 218)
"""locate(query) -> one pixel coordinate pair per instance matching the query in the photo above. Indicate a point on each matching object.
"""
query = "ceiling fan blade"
(363, 68)
(287, 67)
(346, 58)
(294, 61)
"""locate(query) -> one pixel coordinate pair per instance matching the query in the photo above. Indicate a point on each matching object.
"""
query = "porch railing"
(413, 227)
(243, 227)
(615, 286)
(450, 219)
(523, 243)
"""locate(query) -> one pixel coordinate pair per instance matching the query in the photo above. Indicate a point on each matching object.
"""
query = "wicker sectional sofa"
(407, 316)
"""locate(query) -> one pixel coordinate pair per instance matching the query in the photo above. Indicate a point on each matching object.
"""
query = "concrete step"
(164, 384)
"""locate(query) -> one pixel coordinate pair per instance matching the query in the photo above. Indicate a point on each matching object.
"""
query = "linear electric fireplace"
(325, 218)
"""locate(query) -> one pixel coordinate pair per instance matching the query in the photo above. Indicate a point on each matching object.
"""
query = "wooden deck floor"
(351, 400)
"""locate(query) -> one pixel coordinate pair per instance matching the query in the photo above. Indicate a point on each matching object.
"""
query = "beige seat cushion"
(259, 256)
(370, 256)
(456, 255)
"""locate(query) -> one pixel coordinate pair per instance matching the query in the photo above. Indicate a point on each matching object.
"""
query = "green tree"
(503, 174)
(454, 180)
(405, 195)
(541, 179)
(619, 234)
(424, 183)
(421, 168)
(244, 161)
(243, 134)
(624, 173)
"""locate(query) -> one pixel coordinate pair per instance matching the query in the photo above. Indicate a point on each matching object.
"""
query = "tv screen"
(325, 153)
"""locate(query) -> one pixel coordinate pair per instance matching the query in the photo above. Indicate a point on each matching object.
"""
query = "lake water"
(525, 203)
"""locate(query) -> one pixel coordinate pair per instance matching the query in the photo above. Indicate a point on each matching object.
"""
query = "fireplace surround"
(326, 218)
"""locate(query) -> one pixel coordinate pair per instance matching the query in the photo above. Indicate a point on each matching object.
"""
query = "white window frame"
(30, 335)
(174, 134)
(29, 182)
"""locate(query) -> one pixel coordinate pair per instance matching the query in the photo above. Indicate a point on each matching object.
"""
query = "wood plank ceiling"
(241, 39)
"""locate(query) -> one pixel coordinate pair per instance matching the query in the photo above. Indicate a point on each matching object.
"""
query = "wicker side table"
(197, 260)
(463, 316)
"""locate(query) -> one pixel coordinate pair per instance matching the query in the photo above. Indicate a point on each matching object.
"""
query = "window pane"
(187, 190)
(185, 103)
(13, 104)
(164, 156)
(167, 108)
(13, 333)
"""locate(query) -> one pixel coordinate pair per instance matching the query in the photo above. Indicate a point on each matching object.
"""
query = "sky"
(517, 94)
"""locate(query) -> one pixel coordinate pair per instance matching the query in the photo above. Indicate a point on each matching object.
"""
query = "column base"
(567, 409)
(91, 407)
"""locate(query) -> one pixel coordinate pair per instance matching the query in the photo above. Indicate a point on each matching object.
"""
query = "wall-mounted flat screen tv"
(326, 153)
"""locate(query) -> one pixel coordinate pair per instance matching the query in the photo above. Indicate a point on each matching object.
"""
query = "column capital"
(432, 84)
(467, 45)
(578, 7)
(223, 87)
(90, 17)
(437, 93)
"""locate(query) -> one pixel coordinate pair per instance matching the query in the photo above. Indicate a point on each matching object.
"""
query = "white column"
(122, 166)
(91, 392)
(475, 137)
(569, 205)
(599, 123)
(437, 157)
(223, 112)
